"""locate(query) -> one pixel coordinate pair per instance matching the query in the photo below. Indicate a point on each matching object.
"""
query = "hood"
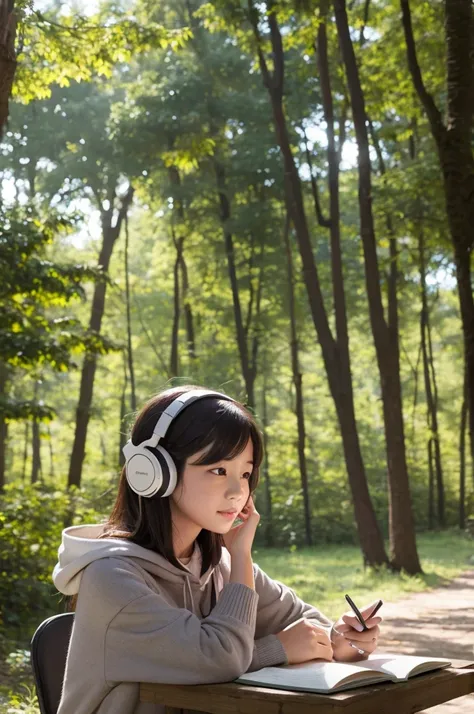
(81, 545)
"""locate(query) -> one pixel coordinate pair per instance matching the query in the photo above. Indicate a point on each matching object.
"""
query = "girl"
(166, 588)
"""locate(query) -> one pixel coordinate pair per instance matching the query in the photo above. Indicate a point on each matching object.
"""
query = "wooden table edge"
(365, 698)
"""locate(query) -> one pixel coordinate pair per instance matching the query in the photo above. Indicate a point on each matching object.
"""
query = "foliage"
(33, 290)
(59, 50)
(31, 521)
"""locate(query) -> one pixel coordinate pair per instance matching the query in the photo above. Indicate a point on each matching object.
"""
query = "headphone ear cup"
(143, 471)
(167, 470)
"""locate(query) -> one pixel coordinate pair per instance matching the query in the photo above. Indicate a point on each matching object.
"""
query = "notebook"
(330, 677)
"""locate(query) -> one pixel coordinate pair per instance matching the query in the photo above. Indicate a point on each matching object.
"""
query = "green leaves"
(75, 48)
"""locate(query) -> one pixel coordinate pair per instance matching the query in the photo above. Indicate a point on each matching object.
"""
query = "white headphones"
(149, 468)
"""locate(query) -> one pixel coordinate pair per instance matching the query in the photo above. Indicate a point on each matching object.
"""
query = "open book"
(329, 677)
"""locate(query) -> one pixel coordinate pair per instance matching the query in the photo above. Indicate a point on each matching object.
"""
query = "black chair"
(49, 647)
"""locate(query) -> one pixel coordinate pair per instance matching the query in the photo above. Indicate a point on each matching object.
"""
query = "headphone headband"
(149, 468)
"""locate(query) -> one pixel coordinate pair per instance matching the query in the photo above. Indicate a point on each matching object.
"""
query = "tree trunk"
(8, 22)
(176, 306)
(51, 455)
(133, 396)
(188, 312)
(298, 382)
(36, 444)
(322, 220)
(402, 529)
(3, 425)
(110, 233)
(123, 432)
(248, 370)
(434, 451)
(453, 141)
(178, 207)
(269, 536)
(25, 451)
(335, 353)
(36, 452)
(462, 458)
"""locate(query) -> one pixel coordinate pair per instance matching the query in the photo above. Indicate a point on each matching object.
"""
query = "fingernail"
(358, 627)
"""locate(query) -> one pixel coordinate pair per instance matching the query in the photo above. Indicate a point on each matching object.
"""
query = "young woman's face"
(211, 496)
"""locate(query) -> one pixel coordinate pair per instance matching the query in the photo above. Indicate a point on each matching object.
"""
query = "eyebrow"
(249, 462)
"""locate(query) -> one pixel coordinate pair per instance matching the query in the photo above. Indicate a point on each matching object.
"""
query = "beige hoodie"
(141, 619)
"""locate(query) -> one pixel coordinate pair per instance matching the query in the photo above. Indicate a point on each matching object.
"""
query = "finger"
(361, 639)
(353, 622)
(321, 636)
(367, 647)
(374, 621)
(368, 609)
(323, 640)
(367, 636)
(343, 628)
(324, 652)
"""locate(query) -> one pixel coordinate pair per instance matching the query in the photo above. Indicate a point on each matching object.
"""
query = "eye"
(219, 468)
(246, 475)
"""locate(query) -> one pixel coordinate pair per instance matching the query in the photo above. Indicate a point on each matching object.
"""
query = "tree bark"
(249, 371)
(248, 367)
(8, 22)
(36, 452)
(25, 451)
(401, 524)
(51, 455)
(3, 425)
(434, 450)
(35, 441)
(462, 458)
(123, 411)
(453, 141)
(298, 382)
(188, 312)
(110, 233)
(335, 352)
(133, 396)
(179, 209)
(269, 535)
(322, 220)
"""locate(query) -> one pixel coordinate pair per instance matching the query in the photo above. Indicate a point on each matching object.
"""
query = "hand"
(303, 640)
(240, 538)
(348, 629)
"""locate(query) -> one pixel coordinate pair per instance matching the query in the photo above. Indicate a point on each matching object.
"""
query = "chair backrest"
(49, 647)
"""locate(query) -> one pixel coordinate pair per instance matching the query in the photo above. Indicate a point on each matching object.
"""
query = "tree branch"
(432, 111)
(459, 57)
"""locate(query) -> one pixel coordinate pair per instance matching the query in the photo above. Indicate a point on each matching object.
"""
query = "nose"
(235, 487)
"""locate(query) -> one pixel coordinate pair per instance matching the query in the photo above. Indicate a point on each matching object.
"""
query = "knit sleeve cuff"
(238, 601)
(269, 652)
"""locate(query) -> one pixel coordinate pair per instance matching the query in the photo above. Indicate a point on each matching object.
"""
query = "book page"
(313, 676)
(403, 666)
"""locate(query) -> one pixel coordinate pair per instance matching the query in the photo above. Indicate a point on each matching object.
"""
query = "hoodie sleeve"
(149, 640)
(278, 607)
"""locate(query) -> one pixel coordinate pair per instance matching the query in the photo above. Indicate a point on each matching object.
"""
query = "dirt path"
(439, 623)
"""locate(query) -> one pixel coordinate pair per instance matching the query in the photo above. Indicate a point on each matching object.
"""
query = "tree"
(453, 138)
(335, 349)
(385, 333)
(31, 287)
(8, 22)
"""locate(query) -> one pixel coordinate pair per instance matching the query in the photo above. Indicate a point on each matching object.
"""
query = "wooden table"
(419, 693)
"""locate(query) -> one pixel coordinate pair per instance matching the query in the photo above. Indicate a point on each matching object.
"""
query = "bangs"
(228, 436)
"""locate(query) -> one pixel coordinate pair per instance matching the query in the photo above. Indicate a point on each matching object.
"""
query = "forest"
(272, 199)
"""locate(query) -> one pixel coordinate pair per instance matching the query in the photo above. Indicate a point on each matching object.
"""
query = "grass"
(321, 575)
